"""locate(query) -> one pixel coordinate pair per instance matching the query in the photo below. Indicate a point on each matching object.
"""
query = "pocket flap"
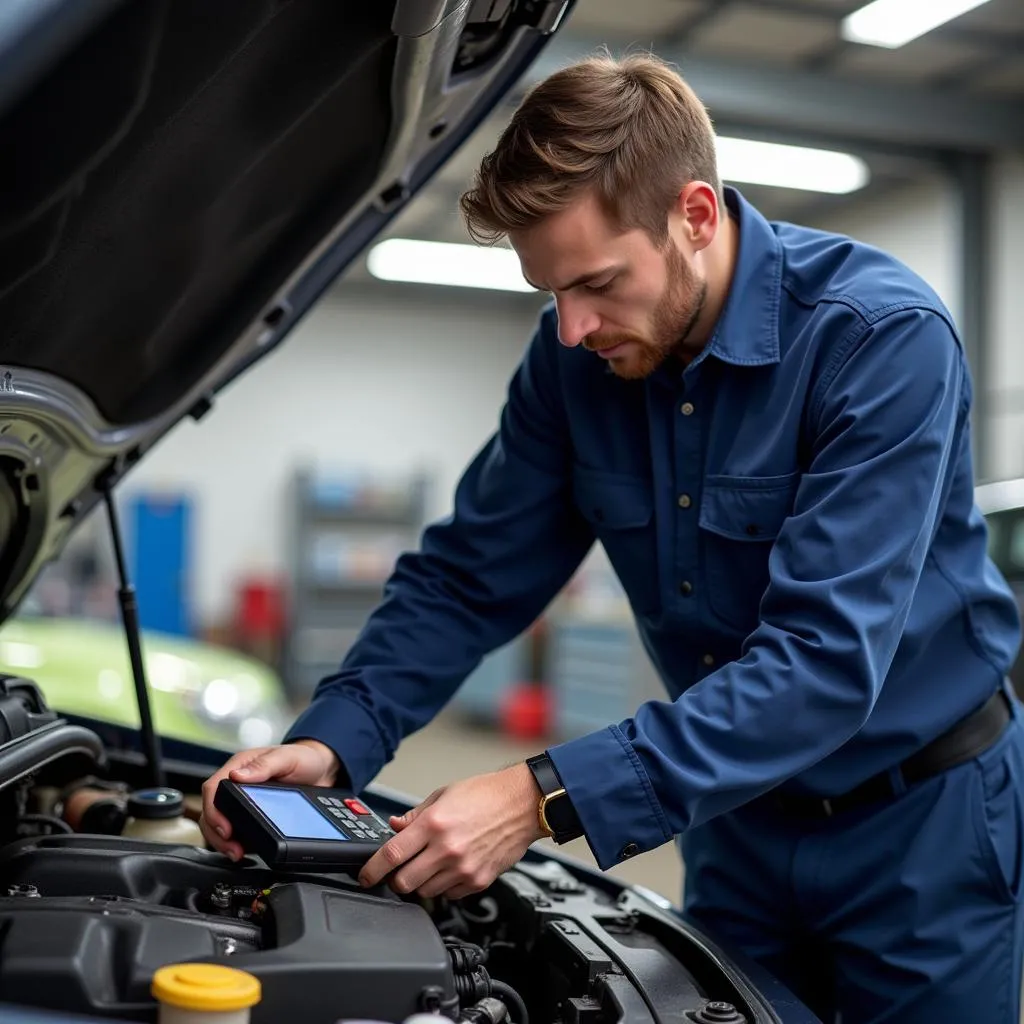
(613, 500)
(747, 508)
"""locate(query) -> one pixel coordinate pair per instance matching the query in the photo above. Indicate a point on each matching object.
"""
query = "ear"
(695, 215)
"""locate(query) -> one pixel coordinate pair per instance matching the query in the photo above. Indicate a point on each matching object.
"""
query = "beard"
(671, 323)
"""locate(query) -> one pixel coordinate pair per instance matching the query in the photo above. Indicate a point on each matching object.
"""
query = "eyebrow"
(591, 275)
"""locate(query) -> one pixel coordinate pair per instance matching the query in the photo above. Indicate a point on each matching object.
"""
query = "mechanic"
(767, 428)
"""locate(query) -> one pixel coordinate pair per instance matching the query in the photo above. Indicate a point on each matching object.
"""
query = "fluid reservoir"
(204, 994)
(159, 814)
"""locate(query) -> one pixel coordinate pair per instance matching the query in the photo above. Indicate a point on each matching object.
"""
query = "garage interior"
(390, 385)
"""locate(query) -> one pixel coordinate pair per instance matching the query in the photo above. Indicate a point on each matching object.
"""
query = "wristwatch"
(557, 816)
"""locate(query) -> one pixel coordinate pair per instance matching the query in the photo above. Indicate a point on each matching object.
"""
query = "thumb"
(275, 763)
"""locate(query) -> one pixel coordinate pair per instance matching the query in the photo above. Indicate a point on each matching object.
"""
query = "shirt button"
(686, 408)
(684, 501)
(629, 850)
(686, 588)
(708, 659)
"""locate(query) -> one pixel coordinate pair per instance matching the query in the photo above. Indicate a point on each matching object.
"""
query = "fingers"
(427, 857)
(458, 891)
(215, 827)
(257, 765)
(431, 874)
(400, 821)
(392, 855)
(440, 885)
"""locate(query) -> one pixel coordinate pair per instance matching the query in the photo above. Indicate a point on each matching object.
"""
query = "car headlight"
(236, 706)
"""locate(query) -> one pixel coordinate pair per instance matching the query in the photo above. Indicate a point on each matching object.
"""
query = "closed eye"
(600, 289)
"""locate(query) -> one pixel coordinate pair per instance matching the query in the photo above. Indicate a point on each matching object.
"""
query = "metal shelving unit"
(599, 672)
(346, 534)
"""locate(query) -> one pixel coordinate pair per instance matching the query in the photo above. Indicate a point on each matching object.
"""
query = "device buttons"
(356, 807)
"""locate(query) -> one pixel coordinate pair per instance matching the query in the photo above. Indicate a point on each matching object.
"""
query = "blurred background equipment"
(347, 533)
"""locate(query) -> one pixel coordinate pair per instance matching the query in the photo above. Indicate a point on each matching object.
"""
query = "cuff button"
(629, 850)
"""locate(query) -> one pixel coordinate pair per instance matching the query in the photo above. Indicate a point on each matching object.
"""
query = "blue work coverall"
(820, 606)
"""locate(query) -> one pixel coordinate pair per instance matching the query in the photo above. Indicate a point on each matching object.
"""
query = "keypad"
(355, 819)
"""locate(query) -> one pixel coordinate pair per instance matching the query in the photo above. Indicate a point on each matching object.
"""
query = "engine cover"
(90, 919)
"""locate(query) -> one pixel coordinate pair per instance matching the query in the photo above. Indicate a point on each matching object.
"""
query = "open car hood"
(181, 181)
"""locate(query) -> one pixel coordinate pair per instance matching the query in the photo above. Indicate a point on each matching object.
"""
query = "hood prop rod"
(130, 618)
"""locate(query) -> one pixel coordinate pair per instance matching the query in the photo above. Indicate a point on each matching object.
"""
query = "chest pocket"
(740, 517)
(620, 508)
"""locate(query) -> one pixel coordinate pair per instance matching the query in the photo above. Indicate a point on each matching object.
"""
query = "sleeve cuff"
(612, 795)
(348, 729)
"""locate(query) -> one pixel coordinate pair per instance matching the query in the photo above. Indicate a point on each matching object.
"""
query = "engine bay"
(88, 914)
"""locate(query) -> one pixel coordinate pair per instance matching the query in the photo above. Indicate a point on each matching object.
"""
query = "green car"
(199, 692)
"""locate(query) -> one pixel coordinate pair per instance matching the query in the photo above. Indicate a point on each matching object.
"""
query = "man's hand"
(461, 837)
(306, 762)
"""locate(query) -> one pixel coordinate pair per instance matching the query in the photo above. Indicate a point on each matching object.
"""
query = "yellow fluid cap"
(205, 987)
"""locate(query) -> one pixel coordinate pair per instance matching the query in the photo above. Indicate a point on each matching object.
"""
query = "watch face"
(559, 815)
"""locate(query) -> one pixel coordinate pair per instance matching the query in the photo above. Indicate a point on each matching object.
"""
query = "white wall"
(379, 383)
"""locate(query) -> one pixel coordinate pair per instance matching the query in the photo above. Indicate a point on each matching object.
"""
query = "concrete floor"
(450, 749)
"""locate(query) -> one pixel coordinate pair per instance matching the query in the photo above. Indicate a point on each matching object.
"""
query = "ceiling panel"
(749, 31)
(637, 21)
(1004, 79)
(994, 16)
(924, 57)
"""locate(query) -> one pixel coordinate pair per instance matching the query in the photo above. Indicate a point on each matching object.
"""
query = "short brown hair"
(629, 127)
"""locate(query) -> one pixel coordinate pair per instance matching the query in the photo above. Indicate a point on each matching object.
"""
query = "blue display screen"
(292, 814)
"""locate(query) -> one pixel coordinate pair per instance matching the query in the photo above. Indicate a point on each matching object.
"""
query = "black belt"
(966, 740)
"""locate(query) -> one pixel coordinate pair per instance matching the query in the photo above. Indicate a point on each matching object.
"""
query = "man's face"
(617, 294)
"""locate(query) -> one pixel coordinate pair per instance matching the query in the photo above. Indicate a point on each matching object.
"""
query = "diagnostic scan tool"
(301, 828)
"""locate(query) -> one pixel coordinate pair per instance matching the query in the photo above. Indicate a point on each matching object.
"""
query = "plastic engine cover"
(110, 912)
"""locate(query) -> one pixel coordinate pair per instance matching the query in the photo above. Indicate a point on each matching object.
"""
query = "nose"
(575, 321)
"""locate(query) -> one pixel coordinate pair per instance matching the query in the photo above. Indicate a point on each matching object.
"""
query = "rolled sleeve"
(889, 421)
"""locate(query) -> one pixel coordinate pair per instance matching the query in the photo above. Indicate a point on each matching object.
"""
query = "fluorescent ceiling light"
(894, 23)
(770, 163)
(445, 263)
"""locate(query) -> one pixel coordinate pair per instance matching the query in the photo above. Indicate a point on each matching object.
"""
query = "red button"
(356, 807)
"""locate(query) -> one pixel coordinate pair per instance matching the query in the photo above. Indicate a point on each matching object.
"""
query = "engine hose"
(511, 998)
(465, 956)
(473, 986)
(487, 1011)
(35, 750)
